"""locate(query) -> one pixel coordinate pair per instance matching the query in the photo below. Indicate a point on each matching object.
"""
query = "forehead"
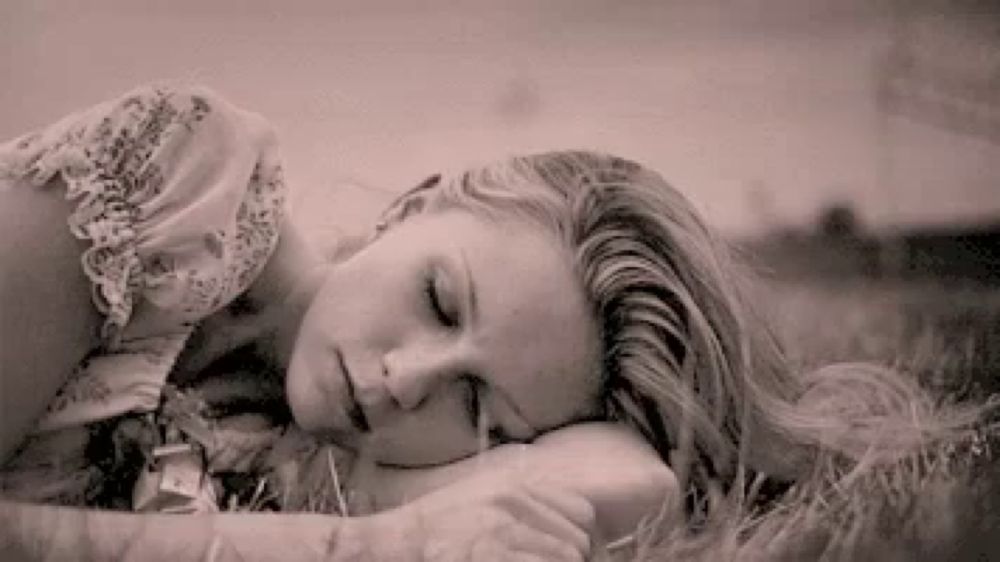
(535, 335)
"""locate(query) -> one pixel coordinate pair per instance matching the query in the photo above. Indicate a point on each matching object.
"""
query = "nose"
(413, 374)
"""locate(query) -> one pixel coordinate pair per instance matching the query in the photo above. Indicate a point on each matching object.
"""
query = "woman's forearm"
(614, 469)
(609, 464)
(47, 533)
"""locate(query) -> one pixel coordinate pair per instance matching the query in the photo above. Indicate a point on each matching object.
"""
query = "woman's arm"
(606, 463)
(47, 320)
(474, 520)
(35, 532)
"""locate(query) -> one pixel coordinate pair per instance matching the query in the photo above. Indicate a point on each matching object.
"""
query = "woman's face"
(448, 328)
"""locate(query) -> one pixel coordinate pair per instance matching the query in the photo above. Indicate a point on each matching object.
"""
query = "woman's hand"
(609, 465)
(490, 516)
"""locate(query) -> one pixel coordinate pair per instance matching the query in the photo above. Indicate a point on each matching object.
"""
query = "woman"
(644, 324)
(411, 349)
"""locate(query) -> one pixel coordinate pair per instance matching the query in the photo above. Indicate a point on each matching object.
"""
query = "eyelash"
(434, 300)
(472, 403)
(495, 435)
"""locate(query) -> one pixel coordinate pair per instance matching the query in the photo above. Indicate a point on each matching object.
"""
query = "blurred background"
(790, 123)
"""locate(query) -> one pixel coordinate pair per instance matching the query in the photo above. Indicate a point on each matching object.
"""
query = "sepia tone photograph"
(520, 280)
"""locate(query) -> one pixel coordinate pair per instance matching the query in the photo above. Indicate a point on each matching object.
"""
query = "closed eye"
(473, 405)
(442, 313)
(479, 419)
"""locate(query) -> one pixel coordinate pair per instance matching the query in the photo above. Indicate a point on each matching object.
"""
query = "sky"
(762, 111)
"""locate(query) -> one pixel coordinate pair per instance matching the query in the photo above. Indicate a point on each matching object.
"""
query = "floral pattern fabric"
(180, 197)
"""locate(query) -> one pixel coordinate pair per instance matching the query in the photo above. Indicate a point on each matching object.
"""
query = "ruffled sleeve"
(178, 196)
(178, 193)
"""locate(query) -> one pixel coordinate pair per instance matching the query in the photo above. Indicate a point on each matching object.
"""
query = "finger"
(533, 512)
(530, 544)
(570, 504)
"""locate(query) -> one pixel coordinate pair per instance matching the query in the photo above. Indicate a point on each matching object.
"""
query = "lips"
(354, 411)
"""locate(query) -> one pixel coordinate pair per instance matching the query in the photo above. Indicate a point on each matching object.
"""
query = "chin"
(299, 406)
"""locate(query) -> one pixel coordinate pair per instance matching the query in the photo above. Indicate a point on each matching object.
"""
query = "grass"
(940, 504)
(948, 335)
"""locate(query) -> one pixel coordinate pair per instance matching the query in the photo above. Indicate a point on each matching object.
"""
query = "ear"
(409, 203)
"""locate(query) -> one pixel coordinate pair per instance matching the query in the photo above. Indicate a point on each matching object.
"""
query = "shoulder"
(178, 193)
(189, 131)
(166, 121)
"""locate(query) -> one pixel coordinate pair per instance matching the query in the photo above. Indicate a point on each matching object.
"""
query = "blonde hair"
(687, 361)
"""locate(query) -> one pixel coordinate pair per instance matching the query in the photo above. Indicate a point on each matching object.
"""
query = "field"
(944, 332)
(947, 334)
(926, 302)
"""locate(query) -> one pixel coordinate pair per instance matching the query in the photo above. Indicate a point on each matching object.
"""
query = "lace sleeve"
(178, 193)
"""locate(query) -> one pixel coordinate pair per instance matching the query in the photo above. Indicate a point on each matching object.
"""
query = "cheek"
(437, 433)
(378, 309)
(362, 285)
(414, 450)
(342, 308)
